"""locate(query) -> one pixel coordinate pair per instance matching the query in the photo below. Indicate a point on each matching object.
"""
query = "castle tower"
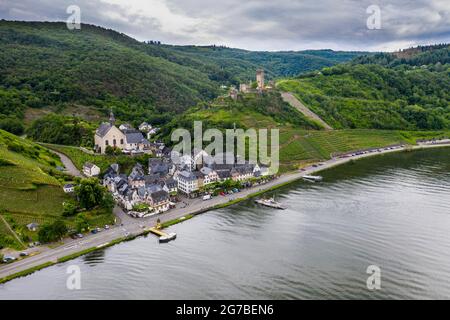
(260, 78)
(112, 119)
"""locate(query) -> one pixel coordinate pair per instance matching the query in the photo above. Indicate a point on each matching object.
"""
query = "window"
(106, 143)
(121, 141)
(114, 142)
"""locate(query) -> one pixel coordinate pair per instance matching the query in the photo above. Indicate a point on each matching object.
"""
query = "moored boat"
(270, 203)
(312, 178)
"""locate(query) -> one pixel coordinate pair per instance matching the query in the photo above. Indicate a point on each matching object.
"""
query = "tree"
(89, 193)
(108, 202)
(52, 232)
(12, 125)
(81, 223)
(109, 151)
(69, 209)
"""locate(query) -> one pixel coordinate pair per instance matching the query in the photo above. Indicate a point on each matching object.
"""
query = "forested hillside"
(46, 66)
(236, 65)
(381, 91)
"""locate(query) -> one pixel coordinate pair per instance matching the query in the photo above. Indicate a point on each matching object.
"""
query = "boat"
(270, 203)
(312, 178)
(168, 237)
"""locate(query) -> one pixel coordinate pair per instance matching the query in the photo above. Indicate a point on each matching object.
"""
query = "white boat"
(312, 178)
(169, 237)
(270, 203)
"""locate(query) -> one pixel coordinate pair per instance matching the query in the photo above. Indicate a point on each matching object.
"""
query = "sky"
(364, 25)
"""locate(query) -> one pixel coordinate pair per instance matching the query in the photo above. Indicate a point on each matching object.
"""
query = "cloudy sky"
(257, 24)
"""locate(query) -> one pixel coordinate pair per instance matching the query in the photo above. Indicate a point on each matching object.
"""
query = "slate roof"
(153, 188)
(134, 137)
(224, 173)
(151, 179)
(88, 165)
(103, 129)
(187, 176)
(170, 183)
(159, 196)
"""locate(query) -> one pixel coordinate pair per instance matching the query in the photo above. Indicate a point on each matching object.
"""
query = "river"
(392, 211)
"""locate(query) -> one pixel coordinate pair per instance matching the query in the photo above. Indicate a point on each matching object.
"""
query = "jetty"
(163, 236)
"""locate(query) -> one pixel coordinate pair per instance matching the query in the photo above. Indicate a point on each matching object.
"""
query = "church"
(129, 140)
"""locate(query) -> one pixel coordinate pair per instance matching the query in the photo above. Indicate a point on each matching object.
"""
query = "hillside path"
(68, 164)
(297, 104)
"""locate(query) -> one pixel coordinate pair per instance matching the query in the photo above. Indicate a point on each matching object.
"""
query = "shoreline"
(105, 239)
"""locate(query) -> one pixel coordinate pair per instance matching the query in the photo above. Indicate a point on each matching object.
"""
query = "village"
(159, 186)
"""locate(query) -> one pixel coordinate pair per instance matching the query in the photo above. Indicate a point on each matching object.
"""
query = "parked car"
(94, 231)
(79, 235)
(206, 197)
(106, 227)
(23, 254)
(8, 259)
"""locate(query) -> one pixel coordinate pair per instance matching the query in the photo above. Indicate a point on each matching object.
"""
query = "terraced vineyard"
(297, 146)
(30, 190)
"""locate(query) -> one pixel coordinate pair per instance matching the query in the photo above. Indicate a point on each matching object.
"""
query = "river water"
(392, 211)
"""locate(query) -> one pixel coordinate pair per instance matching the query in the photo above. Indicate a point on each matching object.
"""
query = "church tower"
(112, 119)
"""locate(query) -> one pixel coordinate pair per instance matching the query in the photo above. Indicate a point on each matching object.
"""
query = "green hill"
(376, 93)
(45, 66)
(301, 140)
(30, 190)
(231, 65)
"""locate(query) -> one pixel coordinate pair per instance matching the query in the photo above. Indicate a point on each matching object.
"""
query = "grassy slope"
(28, 192)
(298, 143)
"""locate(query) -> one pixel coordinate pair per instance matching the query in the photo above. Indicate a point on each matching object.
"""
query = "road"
(134, 226)
(293, 101)
(68, 164)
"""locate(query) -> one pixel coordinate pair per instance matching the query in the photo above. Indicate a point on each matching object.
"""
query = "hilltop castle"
(260, 84)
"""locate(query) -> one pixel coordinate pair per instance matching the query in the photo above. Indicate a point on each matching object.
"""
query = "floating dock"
(312, 178)
(270, 203)
(163, 236)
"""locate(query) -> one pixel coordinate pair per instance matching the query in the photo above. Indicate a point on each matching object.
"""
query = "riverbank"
(136, 227)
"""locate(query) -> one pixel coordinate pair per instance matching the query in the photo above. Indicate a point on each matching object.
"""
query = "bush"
(69, 209)
(12, 125)
(52, 232)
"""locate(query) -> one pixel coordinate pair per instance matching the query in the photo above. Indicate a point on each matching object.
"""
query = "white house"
(68, 188)
(209, 175)
(145, 127)
(188, 182)
(90, 170)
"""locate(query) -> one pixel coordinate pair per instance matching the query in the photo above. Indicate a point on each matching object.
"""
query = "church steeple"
(112, 120)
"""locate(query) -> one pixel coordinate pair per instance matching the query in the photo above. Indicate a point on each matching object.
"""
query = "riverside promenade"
(130, 227)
